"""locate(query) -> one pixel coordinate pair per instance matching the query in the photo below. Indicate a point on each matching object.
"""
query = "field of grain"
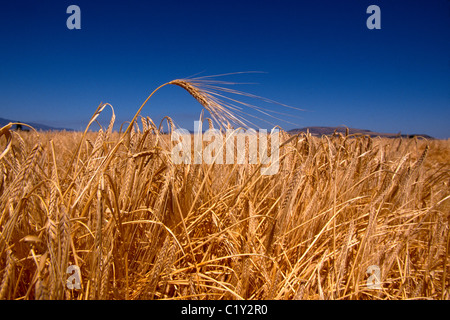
(346, 217)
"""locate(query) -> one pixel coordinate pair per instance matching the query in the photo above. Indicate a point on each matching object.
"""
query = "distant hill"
(315, 131)
(319, 131)
(37, 126)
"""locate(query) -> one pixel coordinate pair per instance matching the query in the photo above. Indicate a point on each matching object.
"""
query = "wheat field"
(140, 227)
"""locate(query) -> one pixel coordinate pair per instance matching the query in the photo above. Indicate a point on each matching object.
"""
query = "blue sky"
(315, 55)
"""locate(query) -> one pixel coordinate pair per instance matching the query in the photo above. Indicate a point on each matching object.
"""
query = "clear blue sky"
(316, 55)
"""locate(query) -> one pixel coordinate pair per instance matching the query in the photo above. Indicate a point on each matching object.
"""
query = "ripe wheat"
(140, 227)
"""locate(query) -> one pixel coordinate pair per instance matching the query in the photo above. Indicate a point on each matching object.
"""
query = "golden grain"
(140, 227)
